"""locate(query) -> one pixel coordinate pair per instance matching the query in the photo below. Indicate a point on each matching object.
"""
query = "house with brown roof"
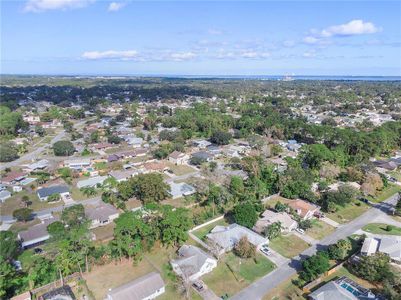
(155, 166)
(304, 209)
(178, 158)
(146, 287)
(269, 217)
(13, 177)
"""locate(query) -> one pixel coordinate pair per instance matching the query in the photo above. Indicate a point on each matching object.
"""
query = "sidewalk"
(330, 222)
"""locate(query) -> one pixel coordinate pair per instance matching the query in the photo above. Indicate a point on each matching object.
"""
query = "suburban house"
(24, 296)
(203, 155)
(91, 182)
(62, 190)
(4, 195)
(201, 144)
(181, 189)
(13, 177)
(141, 152)
(113, 158)
(269, 217)
(193, 263)
(304, 209)
(178, 158)
(342, 289)
(102, 146)
(121, 176)
(61, 293)
(77, 164)
(388, 245)
(227, 237)
(38, 165)
(146, 287)
(101, 214)
(155, 167)
(135, 142)
(36, 234)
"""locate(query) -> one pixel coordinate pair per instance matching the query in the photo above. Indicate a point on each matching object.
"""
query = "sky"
(95, 37)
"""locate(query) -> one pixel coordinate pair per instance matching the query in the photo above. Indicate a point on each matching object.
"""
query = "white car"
(301, 231)
(265, 249)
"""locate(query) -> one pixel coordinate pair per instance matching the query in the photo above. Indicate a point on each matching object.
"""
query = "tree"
(398, 205)
(174, 225)
(8, 278)
(9, 245)
(236, 187)
(244, 248)
(63, 148)
(314, 266)
(23, 214)
(392, 286)
(25, 199)
(280, 207)
(73, 215)
(42, 271)
(245, 214)
(340, 250)
(54, 197)
(221, 138)
(314, 155)
(150, 187)
(273, 230)
(373, 268)
(371, 184)
(57, 230)
(40, 130)
(197, 161)
(113, 139)
(88, 191)
(8, 151)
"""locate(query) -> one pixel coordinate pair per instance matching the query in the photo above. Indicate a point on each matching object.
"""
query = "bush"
(244, 248)
(8, 152)
(245, 214)
(23, 214)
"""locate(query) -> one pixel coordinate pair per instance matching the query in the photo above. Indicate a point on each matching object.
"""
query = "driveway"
(276, 258)
(267, 283)
(310, 240)
(330, 222)
(206, 293)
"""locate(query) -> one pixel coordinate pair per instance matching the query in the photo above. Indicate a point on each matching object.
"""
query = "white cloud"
(181, 56)
(289, 43)
(111, 54)
(254, 55)
(309, 54)
(213, 31)
(311, 40)
(43, 5)
(354, 27)
(116, 6)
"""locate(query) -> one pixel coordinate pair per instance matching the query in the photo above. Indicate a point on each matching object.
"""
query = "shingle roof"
(101, 212)
(91, 181)
(56, 189)
(13, 176)
(138, 289)
(392, 247)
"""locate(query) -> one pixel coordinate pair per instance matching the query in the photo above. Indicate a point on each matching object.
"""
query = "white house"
(192, 263)
(146, 287)
(91, 182)
(181, 189)
(36, 234)
(269, 217)
(44, 193)
(227, 237)
(77, 164)
(178, 158)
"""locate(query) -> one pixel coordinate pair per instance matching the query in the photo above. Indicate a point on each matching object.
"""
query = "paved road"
(265, 284)
(34, 154)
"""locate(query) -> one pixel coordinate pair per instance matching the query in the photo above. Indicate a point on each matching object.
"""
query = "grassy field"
(100, 165)
(396, 175)
(104, 232)
(272, 201)
(386, 193)
(15, 202)
(379, 228)
(286, 290)
(349, 212)
(233, 274)
(319, 229)
(289, 245)
(202, 232)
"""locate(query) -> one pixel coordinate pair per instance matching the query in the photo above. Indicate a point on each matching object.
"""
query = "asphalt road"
(267, 283)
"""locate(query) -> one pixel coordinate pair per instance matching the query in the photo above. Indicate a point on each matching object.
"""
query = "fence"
(56, 284)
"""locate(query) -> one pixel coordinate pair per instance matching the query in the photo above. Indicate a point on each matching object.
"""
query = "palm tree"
(88, 191)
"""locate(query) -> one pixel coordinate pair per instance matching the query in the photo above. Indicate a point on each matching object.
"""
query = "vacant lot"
(349, 212)
(379, 228)
(319, 229)
(233, 274)
(202, 232)
(286, 290)
(289, 245)
(179, 170)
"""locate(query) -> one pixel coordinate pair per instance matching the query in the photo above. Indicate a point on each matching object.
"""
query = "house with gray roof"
(38, 165)
(4, 195)
(342, 289)
(101, 214)
(269, 217)
(181, 189)
(389, 245)
(226, 237)
(91, 182)
(193, 262)
(78, 163)
(36, 234)
(146, 287)
(44, 193)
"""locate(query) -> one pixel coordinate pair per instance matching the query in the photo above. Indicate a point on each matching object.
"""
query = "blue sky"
(201, 38)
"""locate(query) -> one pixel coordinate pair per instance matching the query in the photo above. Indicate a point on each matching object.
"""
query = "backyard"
(180, 170)
(288, 245)
(202, 232)
(379, 228)
(233, 273)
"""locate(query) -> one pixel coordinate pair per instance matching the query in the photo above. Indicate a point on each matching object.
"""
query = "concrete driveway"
(276, 258)
(206, 293)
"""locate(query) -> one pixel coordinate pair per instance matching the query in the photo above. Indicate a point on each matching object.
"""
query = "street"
(267, 283)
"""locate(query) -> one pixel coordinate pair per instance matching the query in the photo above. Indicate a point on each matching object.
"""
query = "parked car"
(198, 285)
(37, 250)
(364, 200)
(300, 230)
(265, 249)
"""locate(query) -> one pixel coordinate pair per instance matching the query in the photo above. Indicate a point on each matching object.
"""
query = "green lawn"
(395, 174)
(202, 232)
(233, 274)
(319, 229)
(100, 165)
(288, 245)
(386, 193)
(349, 212)
(180, 169)
(379, 228)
